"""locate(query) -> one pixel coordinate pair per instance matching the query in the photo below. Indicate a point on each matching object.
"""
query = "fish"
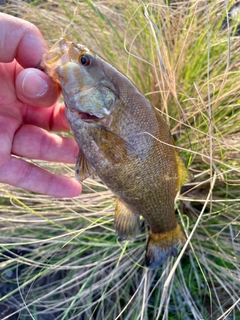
(123, 140)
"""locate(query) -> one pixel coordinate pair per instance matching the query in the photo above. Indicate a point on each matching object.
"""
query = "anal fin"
(126, 222)
(83, 169)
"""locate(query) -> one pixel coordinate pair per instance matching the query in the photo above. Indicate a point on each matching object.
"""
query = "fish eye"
(85, 60)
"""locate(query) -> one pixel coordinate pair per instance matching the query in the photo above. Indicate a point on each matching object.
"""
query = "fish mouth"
(90, 118)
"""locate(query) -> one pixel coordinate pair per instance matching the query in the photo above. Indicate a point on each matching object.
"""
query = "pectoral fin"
(126, 221)
(83, 169)
(115, 147)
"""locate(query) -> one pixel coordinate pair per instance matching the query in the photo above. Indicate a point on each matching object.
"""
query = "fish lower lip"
(88, 117)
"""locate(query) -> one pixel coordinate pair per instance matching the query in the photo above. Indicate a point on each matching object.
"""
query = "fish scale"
(125, 141)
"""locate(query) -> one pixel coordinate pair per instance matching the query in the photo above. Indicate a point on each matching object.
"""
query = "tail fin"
(163, 245)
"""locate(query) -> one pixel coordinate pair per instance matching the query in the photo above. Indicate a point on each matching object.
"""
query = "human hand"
(28, 110)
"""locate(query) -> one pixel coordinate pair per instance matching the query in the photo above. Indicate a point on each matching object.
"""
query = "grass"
(60, 258)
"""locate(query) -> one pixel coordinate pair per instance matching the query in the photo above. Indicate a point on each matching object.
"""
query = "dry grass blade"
(60, 258)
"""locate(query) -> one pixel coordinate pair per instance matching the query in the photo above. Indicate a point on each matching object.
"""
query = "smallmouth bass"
(125, 141)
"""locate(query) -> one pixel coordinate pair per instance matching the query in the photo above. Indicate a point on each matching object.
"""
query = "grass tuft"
(60, 258)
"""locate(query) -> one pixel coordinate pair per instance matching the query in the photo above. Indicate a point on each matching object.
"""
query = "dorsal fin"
(181, 169)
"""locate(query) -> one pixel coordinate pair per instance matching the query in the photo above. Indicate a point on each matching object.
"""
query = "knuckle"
(5, 143)
(50, 147)
(45, 146)
(24, 175)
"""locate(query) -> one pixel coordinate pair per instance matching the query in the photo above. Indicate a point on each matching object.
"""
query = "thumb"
(36, 88)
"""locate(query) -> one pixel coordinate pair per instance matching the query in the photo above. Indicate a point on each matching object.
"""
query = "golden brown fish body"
(125, 141)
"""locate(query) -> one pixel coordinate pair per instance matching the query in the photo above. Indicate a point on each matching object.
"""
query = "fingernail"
(33, 84)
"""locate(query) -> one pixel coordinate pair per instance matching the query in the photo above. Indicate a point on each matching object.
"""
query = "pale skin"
(29, 110)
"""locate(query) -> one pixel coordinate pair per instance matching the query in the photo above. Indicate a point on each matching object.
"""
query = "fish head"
(88, 93)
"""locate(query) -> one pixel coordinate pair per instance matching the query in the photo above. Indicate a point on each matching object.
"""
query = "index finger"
(50, 119)
(21, 40)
